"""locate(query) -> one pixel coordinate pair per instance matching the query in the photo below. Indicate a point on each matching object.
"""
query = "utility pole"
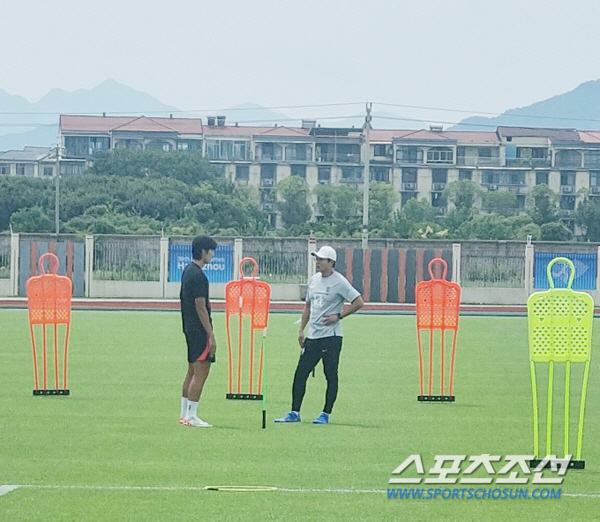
(366, 176)
(57, 192)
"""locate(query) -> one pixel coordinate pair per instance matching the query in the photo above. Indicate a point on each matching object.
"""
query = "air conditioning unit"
(568, 212)
(566, 189)
(596, 190)
(267, 182)
(269, 207)
(409, 186)
(439, 186)
(493, 187)
(323, 182)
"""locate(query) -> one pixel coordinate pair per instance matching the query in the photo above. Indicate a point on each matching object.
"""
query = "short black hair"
(201, 243)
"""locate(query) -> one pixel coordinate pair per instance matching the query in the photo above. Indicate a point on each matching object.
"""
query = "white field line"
(7, 489)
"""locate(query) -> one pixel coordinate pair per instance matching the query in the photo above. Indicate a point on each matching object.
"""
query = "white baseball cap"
(326, 252)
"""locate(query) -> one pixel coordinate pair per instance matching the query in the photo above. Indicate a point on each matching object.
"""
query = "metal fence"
(280, 260)
(495, 265)
(4, 256)
(126, 258)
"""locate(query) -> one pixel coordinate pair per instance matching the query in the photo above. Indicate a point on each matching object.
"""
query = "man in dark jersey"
(197, 327)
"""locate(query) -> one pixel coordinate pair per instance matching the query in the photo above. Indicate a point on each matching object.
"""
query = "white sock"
(192, 409)
(184, 406)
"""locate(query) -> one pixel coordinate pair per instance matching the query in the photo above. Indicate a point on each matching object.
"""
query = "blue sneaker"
(322, 419)
(292, 416)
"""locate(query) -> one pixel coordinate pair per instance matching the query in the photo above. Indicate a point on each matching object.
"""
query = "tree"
(501, 202)
(33, 219)
(555, 232)
(463, 195)
(293, 205)
(137, 163)
(382, 198)
(545, 205)
(587, 216)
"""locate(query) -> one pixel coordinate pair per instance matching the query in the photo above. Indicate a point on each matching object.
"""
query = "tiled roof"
(75, 123)
(254, 131)
(589, 136)
(27, 154)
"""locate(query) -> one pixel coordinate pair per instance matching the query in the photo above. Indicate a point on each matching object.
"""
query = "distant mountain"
(579, 108)
(24, 123)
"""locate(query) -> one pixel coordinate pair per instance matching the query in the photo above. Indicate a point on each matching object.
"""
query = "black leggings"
(328, 349)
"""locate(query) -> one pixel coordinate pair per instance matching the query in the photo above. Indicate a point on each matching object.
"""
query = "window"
(594, 178)
(325, 152)
(465, 174)
(521, 201)
(188, 145)
(568, 158)
(268, 171)
(226, 150)
(297, 152)
(439, 175)
(380, 174)
(299, 170)
(348, 154)
(437, 200)
(48, 171)
(324, 174)
(490, 177)
(440, 155)
(352, 173)
(410, 155)
(71, 168)
(380, 150)
(5, 170)
(539, 153)
(567, 202)
(592, 158)
(514, 178)
(407, 196)
(541, 178)
(21, 169)
(269, 151)
(484, 152)
(567, 179)
(221, 169)
(242, 172)
(409, 175)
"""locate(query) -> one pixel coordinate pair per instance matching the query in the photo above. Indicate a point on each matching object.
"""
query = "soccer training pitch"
(114, 450)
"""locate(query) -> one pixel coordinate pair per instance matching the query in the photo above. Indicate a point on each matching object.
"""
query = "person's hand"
(331, 319)
(212, 344)
(301, 338)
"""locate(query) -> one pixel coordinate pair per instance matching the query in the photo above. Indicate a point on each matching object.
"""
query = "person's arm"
(202, 312)
(356, 304)
(303, 323)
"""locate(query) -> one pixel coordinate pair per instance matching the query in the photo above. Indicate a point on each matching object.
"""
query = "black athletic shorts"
(197, 344)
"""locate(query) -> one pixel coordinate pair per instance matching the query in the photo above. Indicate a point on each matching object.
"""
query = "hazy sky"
(474, 55)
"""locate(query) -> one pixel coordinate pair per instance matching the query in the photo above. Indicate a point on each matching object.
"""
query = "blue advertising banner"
(586, 266)
(219, 270)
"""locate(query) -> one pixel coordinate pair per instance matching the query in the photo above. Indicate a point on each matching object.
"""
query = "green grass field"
(114, 449)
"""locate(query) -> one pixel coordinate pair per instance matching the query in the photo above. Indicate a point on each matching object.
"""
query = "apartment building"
(418, 164)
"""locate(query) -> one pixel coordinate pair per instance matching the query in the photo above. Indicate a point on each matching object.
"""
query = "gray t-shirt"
(326, 296)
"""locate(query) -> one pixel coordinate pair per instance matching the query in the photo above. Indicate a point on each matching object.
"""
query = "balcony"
(476, 161)
(348, 157)
(533, 163)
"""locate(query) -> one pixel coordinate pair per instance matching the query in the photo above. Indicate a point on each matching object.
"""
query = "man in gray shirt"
(326, 293)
